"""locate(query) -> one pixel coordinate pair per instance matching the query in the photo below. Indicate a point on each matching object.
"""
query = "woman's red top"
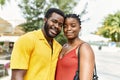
(67, 66)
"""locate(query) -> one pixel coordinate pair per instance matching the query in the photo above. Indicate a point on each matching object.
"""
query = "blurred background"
(100, 28)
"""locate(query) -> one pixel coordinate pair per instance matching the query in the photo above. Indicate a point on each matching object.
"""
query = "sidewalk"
(107, 60)
(106, 48)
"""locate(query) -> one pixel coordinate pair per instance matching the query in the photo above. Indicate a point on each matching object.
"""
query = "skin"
(51, 29)
(71, 31)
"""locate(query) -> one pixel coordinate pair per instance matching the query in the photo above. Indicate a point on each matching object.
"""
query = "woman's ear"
(80, 29)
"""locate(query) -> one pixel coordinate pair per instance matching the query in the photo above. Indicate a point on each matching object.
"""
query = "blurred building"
(8, 35)
(18, 31)
(6, 29)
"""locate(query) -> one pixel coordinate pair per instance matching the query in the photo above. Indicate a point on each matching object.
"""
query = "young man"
(35, 54)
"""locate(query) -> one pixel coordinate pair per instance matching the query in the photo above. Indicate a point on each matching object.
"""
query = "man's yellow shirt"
(33, 53)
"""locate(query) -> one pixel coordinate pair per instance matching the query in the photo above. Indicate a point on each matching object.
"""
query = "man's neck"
(49, 40)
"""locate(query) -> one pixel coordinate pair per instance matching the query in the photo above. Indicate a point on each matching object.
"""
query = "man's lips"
(53, 31)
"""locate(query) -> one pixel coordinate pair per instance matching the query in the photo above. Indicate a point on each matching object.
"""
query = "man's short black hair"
(54, 10)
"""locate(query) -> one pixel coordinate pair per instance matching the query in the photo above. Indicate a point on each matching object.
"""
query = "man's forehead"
(56, 15)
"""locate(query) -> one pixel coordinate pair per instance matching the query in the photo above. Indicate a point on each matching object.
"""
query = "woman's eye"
(73, 25)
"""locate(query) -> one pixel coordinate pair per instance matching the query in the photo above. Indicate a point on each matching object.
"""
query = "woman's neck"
(73, 42)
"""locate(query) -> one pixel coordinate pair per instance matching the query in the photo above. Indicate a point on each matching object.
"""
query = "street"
(107, 63)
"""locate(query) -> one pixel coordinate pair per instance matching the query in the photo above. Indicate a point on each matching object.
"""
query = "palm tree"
(111, 27)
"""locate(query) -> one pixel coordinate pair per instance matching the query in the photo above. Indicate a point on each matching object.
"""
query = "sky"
(97, 11)
(12, 13)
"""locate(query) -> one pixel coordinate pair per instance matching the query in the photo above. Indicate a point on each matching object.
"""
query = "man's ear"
(45, 19)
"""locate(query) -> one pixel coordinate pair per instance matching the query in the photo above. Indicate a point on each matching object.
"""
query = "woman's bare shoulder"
(86, 49)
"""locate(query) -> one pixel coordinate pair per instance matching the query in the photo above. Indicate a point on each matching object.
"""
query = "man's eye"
(60, 24)
(54, 21)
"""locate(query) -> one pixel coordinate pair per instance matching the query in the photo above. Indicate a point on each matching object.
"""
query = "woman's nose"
(68, 28)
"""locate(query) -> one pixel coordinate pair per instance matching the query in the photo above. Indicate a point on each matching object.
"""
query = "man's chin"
(52, 35)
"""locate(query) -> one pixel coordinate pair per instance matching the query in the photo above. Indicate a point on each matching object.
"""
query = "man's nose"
(56, 25)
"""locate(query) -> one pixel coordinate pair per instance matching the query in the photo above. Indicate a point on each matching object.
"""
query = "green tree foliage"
(3, 2)
(65, 5)
(61, 38)
(33, 12)
(111, 27)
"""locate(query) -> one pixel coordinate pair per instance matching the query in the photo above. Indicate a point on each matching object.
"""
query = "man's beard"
(46, 29)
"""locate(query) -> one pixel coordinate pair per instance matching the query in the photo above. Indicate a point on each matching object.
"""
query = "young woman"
(68, 59)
